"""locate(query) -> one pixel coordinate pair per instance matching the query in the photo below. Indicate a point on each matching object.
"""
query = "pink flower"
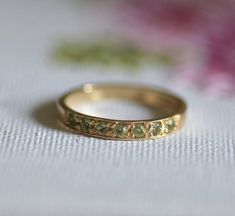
(205, 27)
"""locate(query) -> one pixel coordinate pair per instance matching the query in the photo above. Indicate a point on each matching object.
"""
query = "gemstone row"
(120, 129)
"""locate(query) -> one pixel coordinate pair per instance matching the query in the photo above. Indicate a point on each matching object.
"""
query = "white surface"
(47, 171)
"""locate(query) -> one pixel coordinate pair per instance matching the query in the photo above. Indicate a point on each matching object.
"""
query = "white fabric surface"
(47, 171)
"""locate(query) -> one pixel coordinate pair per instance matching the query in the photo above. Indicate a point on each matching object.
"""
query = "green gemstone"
(139, 130)
(102, 128)
(156, 129)
(86, 125)
(121, 130)
(170, 125)
(72, 121)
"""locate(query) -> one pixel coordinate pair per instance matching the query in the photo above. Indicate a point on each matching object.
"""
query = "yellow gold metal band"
(170, 112)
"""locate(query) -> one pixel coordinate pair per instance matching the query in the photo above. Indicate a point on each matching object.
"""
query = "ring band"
(170, 112)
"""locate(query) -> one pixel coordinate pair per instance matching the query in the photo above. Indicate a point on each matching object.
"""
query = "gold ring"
(169, 112)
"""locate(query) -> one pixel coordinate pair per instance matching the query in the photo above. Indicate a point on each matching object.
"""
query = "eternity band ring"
(168, 112)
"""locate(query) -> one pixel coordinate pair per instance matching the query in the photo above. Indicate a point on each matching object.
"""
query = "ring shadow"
(47, 115)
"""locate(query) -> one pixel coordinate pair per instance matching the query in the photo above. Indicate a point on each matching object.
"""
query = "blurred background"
(50, 46)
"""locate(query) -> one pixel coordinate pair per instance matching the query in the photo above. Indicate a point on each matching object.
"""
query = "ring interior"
(161, 104)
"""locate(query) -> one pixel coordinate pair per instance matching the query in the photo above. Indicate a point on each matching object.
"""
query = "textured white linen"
(47, 171)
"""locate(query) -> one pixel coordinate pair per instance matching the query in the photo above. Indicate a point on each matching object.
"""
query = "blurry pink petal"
(167, 25)
(221, 84)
